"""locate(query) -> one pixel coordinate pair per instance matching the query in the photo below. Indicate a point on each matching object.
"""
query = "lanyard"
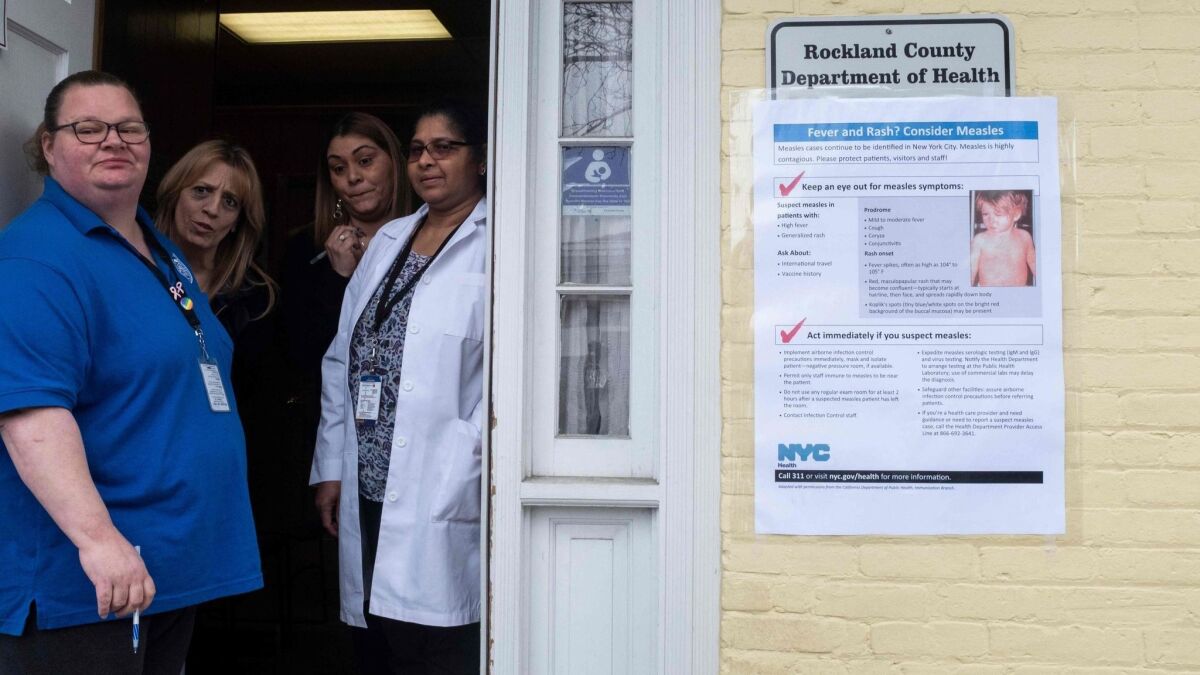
(178, 295)
(389, 301)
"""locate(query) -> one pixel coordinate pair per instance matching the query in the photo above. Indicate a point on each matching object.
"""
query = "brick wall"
(1120, 592)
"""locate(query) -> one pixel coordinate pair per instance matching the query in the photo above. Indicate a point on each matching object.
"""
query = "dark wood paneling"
(167, 51)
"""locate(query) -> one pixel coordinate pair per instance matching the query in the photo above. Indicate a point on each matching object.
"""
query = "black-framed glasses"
(95, 131)
(440, 149)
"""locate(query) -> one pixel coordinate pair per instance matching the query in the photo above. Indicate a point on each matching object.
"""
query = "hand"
(119, 575)
(327, 497)
(345, 247)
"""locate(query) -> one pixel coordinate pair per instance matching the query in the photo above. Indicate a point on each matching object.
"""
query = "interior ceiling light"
(365, 26)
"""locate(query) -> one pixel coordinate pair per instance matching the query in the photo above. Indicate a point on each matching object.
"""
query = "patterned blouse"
(375, 439)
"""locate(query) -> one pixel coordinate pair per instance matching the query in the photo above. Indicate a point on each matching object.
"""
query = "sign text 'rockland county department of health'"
(959, 54)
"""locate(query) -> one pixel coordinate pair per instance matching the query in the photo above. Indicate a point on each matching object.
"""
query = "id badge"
(213, 386)
(370, 393)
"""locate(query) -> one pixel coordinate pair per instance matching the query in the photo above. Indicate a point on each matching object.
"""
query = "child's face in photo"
(997, 218)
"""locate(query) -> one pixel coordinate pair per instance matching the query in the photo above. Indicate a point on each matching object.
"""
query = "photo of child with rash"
(1002, 251)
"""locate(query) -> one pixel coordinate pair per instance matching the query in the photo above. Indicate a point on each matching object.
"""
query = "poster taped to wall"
(907, 324)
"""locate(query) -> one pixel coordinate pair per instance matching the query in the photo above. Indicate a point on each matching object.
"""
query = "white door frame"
(687, 496)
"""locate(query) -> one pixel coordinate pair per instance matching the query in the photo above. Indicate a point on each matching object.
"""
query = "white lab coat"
(427, 562)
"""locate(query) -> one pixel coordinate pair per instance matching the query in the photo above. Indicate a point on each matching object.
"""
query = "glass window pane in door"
(595, 250)
(595, 234)
(593, 392)
(597, 69)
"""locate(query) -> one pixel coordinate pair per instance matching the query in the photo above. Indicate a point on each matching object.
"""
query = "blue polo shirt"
(86, 326)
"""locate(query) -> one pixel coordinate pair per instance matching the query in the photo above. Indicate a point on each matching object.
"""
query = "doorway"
(197, 81)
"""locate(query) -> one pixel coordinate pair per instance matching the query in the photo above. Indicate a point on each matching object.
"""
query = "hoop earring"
(338, 214)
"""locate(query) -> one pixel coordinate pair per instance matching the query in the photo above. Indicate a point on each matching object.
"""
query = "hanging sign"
(938, 55)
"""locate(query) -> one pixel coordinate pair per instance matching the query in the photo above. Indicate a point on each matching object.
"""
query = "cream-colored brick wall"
(1120, 592)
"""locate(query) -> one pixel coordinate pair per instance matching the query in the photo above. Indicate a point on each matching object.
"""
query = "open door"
(46, 41)
(605, 441)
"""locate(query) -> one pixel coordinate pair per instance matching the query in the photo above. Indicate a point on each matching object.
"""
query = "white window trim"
(689, 496)
(633, 455)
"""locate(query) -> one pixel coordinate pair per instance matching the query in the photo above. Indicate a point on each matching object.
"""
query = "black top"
(312, 301)
(253, 329)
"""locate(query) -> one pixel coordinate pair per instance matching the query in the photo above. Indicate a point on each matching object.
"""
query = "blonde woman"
(210, 204)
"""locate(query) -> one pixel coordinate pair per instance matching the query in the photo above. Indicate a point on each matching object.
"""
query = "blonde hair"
(1013, 201)
(379, 133)
(235, 264)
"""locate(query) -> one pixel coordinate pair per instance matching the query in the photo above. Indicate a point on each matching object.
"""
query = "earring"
(338, 214)
(482, 170)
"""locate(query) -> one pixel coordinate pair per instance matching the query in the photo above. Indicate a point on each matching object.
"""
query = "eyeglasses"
(93, 132)
(440, 149)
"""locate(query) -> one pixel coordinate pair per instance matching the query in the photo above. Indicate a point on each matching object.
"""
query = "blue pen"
(137, 613)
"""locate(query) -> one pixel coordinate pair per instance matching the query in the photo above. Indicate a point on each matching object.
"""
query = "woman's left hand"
(345, 247)
(326, 498)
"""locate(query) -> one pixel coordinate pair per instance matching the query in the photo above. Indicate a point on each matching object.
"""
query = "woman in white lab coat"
(397, 462)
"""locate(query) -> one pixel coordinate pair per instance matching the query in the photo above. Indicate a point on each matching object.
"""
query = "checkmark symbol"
(786, 190)
(787, 335)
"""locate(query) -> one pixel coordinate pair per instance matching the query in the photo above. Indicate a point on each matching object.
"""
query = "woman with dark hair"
(124, 471)
(360, 187)
(397, 461)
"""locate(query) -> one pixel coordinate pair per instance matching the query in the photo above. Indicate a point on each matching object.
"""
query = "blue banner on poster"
(595, 181)
(1019, 130)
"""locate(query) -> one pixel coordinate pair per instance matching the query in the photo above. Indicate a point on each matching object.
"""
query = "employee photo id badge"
(370, 392)
(213, 386)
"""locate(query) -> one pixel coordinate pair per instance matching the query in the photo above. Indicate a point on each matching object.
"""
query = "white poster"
(908, 304)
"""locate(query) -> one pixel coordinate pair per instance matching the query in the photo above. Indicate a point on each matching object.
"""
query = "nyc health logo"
(792, 453)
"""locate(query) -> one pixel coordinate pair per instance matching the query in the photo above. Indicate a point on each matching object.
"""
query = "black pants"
(400, 647)
(105, 647)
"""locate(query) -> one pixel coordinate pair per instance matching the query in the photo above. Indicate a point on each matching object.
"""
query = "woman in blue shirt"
(116, 416)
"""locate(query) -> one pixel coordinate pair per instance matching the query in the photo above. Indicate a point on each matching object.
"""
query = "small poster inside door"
(596, 181)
